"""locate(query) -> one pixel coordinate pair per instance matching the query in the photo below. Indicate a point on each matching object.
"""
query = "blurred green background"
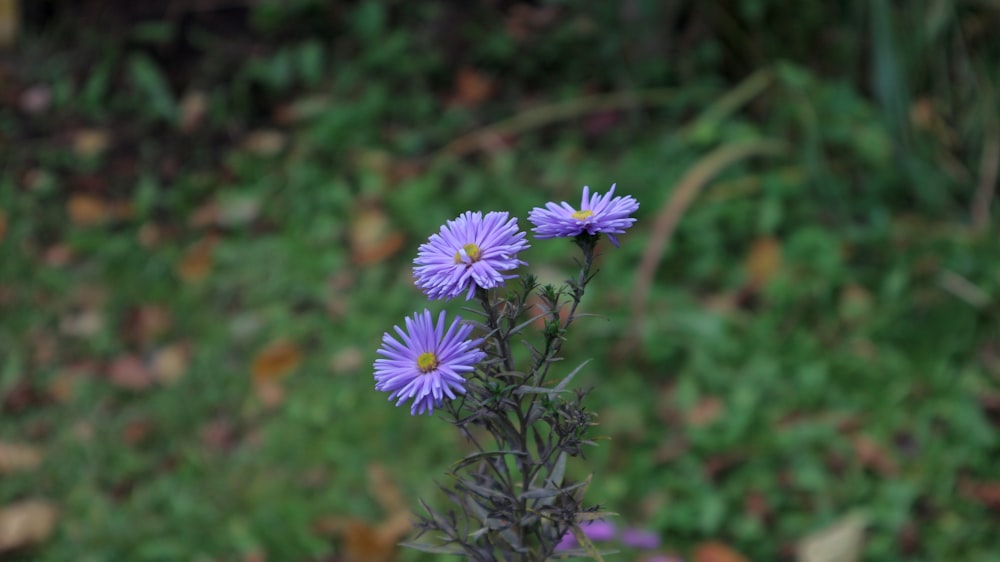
(209, 208)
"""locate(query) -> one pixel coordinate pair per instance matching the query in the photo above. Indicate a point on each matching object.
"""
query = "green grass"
(856, 377)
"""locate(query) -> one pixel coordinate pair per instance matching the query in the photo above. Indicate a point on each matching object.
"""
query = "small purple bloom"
(428, 363)
(567, 542)
(471, 251)
(599, 530)
(594, 530)
(638, 538)
(607, 214)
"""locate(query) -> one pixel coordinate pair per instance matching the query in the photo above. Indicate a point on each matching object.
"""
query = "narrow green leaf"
(149, 80)
(562, 384)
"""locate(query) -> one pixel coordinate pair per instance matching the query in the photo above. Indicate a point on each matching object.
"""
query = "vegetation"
(208, 211)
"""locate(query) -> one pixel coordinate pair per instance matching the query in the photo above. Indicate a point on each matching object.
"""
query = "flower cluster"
(476, 251)
(515, 499)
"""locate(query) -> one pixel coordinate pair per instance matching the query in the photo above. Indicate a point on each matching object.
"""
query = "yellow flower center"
(471, 250)
(427, 362)
(582, 214)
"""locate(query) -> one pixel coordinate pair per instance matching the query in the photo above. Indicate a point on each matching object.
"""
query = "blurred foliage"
(187, 186)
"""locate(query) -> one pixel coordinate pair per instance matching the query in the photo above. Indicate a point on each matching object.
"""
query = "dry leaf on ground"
(129, 372)
(347, 360)
(197, 260)
(88, 143)
(193, 107)
(275, 362)
(986, 493)
(706, 411)
(265, 142)
(87, 210)
(82, 323)
(763, 261)
(170, 362)
(364, 542)
(18, 456)
(145, 323)
(715, 551)
(472, 87)
(839, 542)
(137, 431)
(373, 237)
(26, 523)
(873, 455)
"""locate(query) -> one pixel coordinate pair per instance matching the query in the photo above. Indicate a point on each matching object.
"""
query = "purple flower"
(471, 251)
(428, 364)
(567, 542)
(639, 538)
(594, 530)
(607, 214)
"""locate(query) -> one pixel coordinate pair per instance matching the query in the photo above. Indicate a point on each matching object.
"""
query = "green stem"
(587, 245)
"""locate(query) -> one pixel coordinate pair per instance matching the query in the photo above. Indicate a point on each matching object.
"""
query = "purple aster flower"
(594, 530)
(471, 251)
(607, 214)
(639, 538)
(428, 363)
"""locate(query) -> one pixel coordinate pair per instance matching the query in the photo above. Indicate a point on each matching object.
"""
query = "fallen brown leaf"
(135, 432)
(35, 99)
(873, 455)
(364, 542)
(265, 142)
(145, 323)
(238, 210)
(18, 456)
(10, 23)
(986, 493)
(26, 523)
(763, 261)
(205, 215)
(82, 323)
(197, 260)
(706, 411)
(373, 237)
(23, 396)
(87, 210)
(855, 303)
(838, 542)
(57, 255)
(218, 434)
(275, 362)
(88, 143)
(193, 107)
(714, 551)
(472, 87)
(756, 505)
(171, 362)
(149, 235)
(347, 360)
(62, 387)
(129, 372)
